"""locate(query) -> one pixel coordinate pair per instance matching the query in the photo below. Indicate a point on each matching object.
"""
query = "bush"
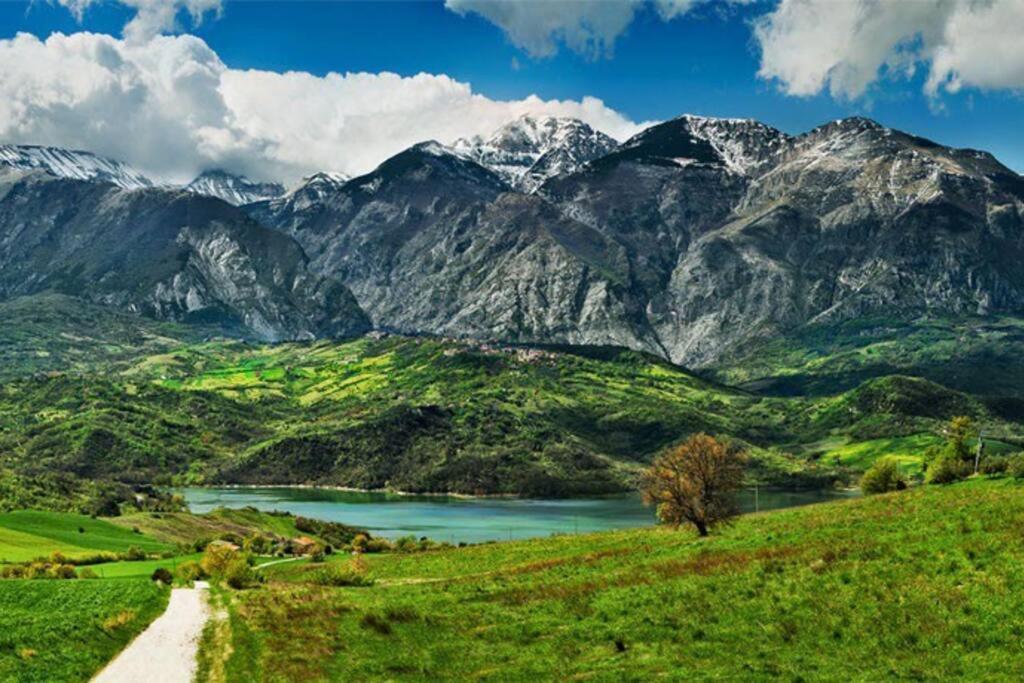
(62, 571)
(1015, 466)
(239, 574)
(994, 466)
(947, 469)
(191, 571)
(135, 554)
(217, 558)
(350, 574)
(163, 575)
(883, 476)
(87, 573)
(12, 571)
(406, 544)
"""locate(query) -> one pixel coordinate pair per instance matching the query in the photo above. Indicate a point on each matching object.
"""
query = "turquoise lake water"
(471, 520)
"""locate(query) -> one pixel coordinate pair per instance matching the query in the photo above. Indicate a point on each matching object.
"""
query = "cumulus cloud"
(152, 17)
(587, 27)
(810, 46)
(171, 107)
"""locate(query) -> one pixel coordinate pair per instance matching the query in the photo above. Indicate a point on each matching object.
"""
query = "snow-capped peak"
(233, 189)
(529, 150)
(745, 145)
(76, 164)
(311, 190)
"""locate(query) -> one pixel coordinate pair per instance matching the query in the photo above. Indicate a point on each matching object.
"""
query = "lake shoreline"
(395, 492)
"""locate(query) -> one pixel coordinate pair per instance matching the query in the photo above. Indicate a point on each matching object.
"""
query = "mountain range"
(692, 240)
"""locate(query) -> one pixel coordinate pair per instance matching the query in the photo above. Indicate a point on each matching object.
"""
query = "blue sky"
(705, 62)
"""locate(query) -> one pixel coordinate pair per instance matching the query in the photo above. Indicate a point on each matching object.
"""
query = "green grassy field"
(923, 584)
(67, 630)
(142, 569)
(26, 534)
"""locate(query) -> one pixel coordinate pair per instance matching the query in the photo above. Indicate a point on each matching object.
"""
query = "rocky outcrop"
(167, 254)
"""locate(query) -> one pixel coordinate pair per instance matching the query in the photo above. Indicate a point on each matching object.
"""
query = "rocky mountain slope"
(66, 163)
(167, 254)
(529, 150)
(693, 238)
(232, 188)
(433, 241)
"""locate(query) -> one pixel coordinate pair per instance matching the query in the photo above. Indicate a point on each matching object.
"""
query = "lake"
(472, 520)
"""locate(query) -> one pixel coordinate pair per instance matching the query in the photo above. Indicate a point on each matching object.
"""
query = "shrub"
(883, 476)
(350, 574)
(191, 571)
(994, 466)
(135, 554)
(13, 571)
(217, 558)
(318, 554)
(1015, 466)
(87, 573)
(163, 575)
(947, 469)
(359, 543)
(239, 574)
(62, 571)
(406, 544)
(378, 545)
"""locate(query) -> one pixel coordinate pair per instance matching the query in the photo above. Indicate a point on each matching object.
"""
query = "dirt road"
(166, 651)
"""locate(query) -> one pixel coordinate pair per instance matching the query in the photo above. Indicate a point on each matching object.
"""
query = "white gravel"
(166, 651)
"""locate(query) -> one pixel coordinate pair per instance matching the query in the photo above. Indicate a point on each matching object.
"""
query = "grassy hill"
(923, 584)
(434, 415)
(28, 534)
(59, 333)
(975, 355)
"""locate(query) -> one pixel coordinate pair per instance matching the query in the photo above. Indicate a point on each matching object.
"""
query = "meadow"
(67, 630)
(922, 584)
(28, 534)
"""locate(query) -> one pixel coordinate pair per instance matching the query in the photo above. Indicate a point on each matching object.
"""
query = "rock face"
(528, 151)
(167, 254)
(692, 237)
(233, 189)
(66, 163)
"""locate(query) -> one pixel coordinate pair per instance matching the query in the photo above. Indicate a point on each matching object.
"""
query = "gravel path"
(166, 651)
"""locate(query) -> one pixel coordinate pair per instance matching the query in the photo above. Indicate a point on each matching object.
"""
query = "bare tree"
(695, 482)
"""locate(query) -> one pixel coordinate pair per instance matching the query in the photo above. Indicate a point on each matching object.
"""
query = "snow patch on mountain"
(745, 146)
(529, 150)
(233, 189)
(76, 164)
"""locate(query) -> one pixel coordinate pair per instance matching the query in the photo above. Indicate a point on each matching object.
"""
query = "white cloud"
(152, 17)
(171, 107)
(810, 46)
(587, 27)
